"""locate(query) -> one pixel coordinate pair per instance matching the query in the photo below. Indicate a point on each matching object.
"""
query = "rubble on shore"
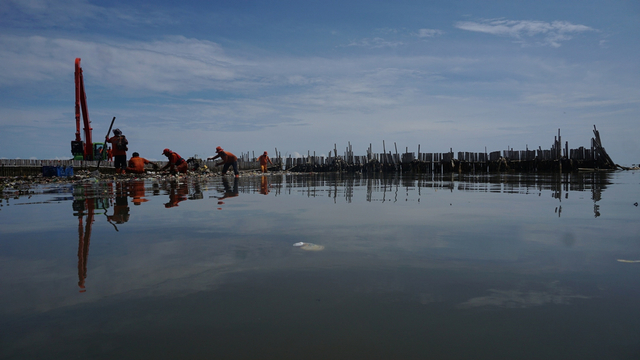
(27, 184)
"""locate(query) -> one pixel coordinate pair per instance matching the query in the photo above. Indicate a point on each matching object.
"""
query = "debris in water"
(628, 261)
(309, 246)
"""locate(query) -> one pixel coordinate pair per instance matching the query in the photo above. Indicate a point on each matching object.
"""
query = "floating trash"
(309, 246)
(628, 261)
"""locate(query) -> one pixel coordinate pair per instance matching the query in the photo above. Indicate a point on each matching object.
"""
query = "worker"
(176, 162)
(119, 144)
(264, 160)
(109, 154)
(228, 159)
(136, 164)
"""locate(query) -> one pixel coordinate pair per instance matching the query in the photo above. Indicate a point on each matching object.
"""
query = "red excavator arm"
(78, 147)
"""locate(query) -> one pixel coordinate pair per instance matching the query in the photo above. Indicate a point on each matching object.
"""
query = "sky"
(304, 77)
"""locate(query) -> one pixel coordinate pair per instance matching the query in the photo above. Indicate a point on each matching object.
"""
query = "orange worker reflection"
(121, 207)
(229, 192)
(264, 186)
(136, 191)
(177, 193)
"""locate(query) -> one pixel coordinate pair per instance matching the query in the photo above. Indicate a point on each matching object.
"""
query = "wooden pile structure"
(555, 159)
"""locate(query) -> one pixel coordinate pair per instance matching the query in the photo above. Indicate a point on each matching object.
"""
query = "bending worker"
(136, 164)
(264, 159)
(176, 162)
(228, 159)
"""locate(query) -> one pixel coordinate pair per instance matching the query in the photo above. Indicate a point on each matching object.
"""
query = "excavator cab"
(99, 151)
(77, 150)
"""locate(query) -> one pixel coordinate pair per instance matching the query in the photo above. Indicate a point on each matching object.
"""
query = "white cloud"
(425, 33)
(519, 299)
(172, 64)
(73, 14)
(552, 33)
(374, 43)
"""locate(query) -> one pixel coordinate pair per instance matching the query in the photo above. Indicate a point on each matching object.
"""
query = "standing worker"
(119, 145)
(136, 164)
(228, 159)
(264, 159)
(176, 162)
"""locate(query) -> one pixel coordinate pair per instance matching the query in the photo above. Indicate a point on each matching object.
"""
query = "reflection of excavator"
(87, 149)
(84, 233)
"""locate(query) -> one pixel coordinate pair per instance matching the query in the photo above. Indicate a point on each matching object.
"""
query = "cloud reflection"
(516, 299)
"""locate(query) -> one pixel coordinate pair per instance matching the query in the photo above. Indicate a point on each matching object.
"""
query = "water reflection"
(382, 188)
(227, 191)
(84, 237)
(137, 192)
(411, 255)
(112, 199)
(121, 209)
(86, 207)
(177, 192)
(264, 185)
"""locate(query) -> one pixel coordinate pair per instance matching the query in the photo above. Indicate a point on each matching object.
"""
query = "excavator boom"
(78, 147)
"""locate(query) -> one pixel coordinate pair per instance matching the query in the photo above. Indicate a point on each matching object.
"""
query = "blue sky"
(301, 76)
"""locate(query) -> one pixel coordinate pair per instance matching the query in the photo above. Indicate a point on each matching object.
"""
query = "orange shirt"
(136, 164)
(227, 157)
(174, 158)
(116, 151)
(264, 159)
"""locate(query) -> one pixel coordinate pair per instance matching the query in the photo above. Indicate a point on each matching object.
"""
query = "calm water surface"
(453, 267)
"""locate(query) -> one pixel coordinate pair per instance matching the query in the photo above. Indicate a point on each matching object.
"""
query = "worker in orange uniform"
(176, 162)
(136, 164)
(119, 145)
(109, 154)
(228, 159)
(264, 160)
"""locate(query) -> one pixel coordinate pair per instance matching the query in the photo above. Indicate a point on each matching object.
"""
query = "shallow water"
(453, 267)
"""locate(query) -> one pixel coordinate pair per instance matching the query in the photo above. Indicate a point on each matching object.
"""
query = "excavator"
(87, 149)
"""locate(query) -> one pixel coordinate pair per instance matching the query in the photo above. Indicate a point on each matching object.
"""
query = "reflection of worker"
(229, 192)
(228, 159)
(119, 152)
(137, 192)
(137, 163)
(264, 186)
(120, 210)
(176, 162)
(177, 194)
(264, 159)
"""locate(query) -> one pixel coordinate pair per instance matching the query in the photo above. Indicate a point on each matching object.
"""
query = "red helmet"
(166, 151)
(265, 153)
(218, 149)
